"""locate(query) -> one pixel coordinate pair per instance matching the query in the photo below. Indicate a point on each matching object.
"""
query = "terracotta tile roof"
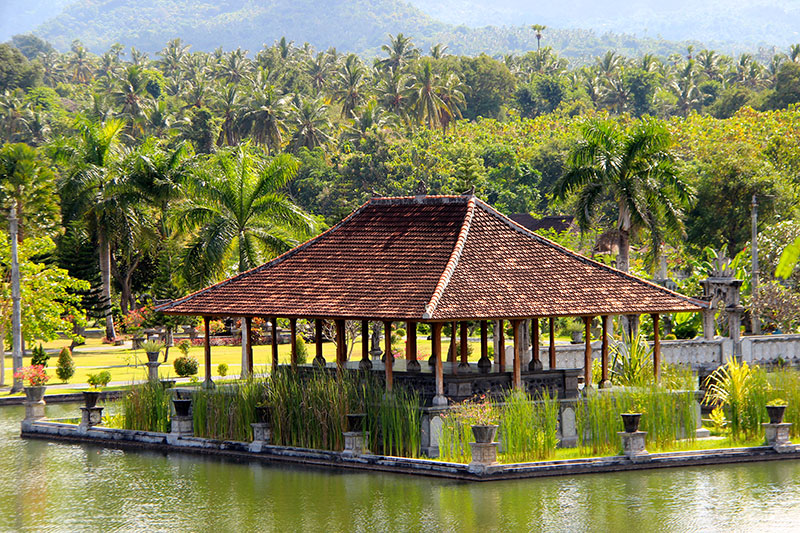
(430, 258)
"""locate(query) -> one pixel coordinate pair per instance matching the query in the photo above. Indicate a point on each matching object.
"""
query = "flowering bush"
(480, 412)
(135, 320)
(33, 376)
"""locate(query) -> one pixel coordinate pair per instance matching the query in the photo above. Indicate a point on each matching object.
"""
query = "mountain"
(776, 22)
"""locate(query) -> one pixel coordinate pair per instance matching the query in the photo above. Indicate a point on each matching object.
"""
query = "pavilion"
(436, 260)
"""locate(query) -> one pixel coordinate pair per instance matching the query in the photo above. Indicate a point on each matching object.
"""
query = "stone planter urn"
(355, 422)
(152, 357)
(776, 413)
(34, 394)
(182, 407)
(137, 341)
(631, 422)
(263, 414)
(168, 383)
(90, 398)
(484, 433)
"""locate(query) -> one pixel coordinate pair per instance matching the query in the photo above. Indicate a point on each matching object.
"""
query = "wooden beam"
(412, 365)
(587, 352)
(656, 346)
(464, 345)
(249, 324)
(517, 382)
(387, 342)
(536, 364)
(341, 344)
(207, 351)
(293, 341)
(452, 357)
(319, 359)
(552, 351)
(436, 349)
(365, 363)
(274, 321)
(501, 357)
(604, 353)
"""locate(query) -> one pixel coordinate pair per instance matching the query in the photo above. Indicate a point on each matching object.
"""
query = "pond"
(60, 487)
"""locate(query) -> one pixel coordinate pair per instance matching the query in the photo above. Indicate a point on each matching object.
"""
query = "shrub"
(222, 370)
(147, 407)
(302, 351)
(66, 366)
(99, 380)
(39, 356)
(185, 366)
(184, 346)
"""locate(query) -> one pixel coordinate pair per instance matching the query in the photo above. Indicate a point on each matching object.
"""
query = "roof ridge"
(563, 249)
(447, 274)
(281, 258)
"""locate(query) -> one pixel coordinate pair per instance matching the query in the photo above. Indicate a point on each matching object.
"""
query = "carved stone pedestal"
(355, 443)
(633, 446)
(182, 426)
(262, 436)
(34, 410)
(484, 455)
(91, 416)
(777, 436)
(152, 370)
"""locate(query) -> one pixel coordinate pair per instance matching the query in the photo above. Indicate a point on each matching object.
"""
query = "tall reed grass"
(225, 413)
(147, 407)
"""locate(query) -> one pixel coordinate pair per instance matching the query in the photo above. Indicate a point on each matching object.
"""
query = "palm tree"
(453, 99)
(172, 57)
(396, 94)
(368, 119)
(88, 187)
(351, 84)
(240, 213)
(319, 69)
(538, 28)
(794, 53)
(228, 109)
(129, 96)
(401, 52)
(80, 64)
(438, 50)
(262, 117)
(427, 102)
(634, 170)
(311, 123)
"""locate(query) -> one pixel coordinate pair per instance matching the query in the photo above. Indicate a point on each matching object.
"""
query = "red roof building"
(433, 259)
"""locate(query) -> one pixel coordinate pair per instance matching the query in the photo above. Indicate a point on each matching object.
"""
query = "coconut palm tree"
(319, 70)
(427, 102)
(263, 117)
(633, 169)
(240, 214)
(309, 118)
(129, 95)
(88, 188)
(396, 94)
(538, 28)
(401, 52)
(351, 84)
(27, 182)
(80, 64)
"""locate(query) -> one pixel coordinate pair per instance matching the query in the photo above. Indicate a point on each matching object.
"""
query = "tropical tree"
(428, 103)
(538, 28)
(310, 121)
(634, 169)
(88, 190)
(240, 214)
(401, 52)
(351, 79)
(27, 182)
(263, 116)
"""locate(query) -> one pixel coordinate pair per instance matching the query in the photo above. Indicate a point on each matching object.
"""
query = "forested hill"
(359, 26)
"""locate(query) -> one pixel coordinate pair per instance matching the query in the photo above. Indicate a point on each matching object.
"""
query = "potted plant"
(152, 348)
(96, 381)
(35, 380)
(630, 420)
(776, 409)
(483, 418)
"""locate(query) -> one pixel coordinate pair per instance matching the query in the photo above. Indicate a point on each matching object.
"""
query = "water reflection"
(55, 487)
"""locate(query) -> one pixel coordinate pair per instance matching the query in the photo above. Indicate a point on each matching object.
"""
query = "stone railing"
(771, 349)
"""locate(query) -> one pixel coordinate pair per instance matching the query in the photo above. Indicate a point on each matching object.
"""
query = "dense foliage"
(135, 165)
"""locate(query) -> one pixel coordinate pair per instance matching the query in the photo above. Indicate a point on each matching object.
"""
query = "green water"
(61, 487)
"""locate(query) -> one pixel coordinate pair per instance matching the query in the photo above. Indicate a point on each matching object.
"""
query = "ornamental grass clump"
(225, 413)
(456, 433)
(147, 407)
(786, 383)
(528, 426)
(742, 392)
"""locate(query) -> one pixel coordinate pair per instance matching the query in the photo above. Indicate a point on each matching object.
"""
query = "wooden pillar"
(249, 321)
(412, 365)
(365, 363)
(517, 382)
(464, 345)
(605, 383)
(319, 359)
(501, 357)
(451, 355)
(656, 346)
(293, 342)
(484, 365)
(436, 349)
(587, 352)
(274, 321)
(245, 336)
(341, 344)
(208, 383)
(552, 351)
(536, 364)
(387, 342)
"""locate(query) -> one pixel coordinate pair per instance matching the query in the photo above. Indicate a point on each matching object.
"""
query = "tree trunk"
(2, 356)
(105, 274)
(623, 258)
